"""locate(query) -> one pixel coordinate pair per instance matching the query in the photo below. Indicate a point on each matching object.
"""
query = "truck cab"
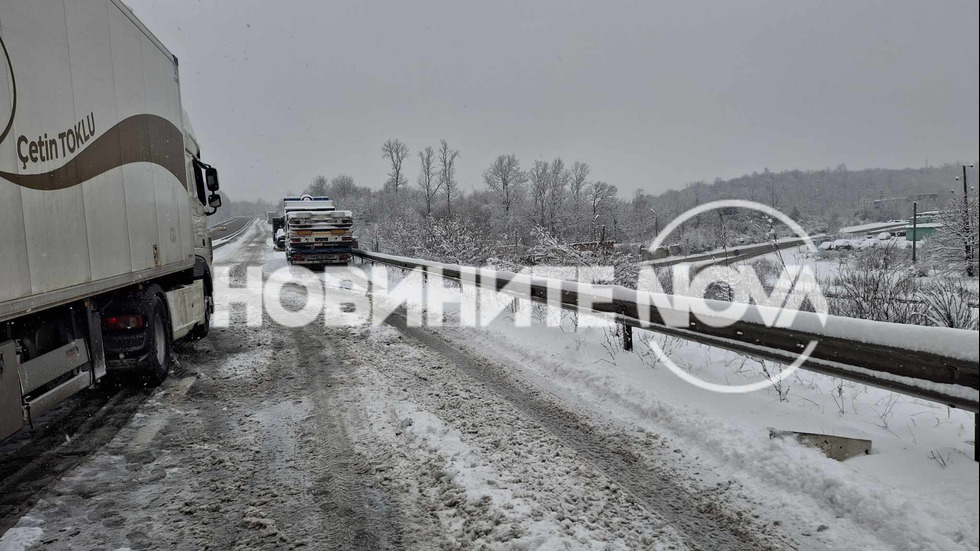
(105, 248)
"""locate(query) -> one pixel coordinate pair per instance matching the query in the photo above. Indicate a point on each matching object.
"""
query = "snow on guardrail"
(220, 242)
(934, 363)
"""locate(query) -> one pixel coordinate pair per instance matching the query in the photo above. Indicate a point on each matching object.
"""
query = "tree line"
(518, 206)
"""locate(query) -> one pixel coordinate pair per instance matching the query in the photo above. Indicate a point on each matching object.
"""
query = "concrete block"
(834, 447)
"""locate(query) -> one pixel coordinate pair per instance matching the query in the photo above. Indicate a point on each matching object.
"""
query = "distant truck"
(316, 232)
(106, 257)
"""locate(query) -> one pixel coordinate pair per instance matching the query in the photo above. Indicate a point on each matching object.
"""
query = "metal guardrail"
(942, 368)
(216, 224)
(224, 240)
(734, 253)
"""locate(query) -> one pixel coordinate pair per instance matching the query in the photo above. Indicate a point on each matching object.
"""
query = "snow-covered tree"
(578, 190)
(539, 177)
(558, 180)
(318, 187)
(395, 152)
(447, 174)
(601, 195)
(428, 179)
(954, 246)
(506, 180)
(342, 187)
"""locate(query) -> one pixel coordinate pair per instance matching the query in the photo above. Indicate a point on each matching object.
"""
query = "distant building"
(926, 225)
(894, 227)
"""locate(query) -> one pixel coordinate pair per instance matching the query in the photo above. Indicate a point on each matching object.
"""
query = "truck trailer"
(105, 257)
(316, 232)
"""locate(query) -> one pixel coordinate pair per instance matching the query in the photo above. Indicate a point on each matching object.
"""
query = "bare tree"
(539, 178)
(428, 177)
(342, 186)
(396, 152)
(447, 174)
(601, 195)
(506, 180)
(578, 184)
(773, 189)
(318, 187)
(577, 191)
(558, 179)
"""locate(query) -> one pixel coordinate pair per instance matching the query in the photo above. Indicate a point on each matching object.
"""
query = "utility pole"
(656, 223)
(915, 226)
(966, 225)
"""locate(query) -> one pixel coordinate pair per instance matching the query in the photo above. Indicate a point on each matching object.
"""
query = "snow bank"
(919, 488)
(23, 536)
(955, 343)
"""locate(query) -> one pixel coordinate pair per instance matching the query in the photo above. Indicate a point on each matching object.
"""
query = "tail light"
(126, 322)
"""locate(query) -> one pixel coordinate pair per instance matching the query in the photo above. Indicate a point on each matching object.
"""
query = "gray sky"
(652, 95)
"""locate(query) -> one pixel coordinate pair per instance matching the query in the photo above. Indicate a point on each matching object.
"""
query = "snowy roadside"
(917, 490)
(491, 476)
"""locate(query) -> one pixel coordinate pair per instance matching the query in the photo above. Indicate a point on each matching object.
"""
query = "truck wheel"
(201, 330)
(156, 366)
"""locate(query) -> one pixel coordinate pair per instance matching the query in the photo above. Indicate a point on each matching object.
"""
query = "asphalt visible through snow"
(382, 437)
(230, 227)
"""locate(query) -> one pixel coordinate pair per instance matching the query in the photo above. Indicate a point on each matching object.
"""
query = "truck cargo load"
(316, 232)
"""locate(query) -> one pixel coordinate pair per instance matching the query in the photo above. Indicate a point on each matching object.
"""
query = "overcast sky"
(652, 95)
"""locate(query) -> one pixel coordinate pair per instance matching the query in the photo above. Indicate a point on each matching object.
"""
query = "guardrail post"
(837, 354)
(370, 291)
(627, 337)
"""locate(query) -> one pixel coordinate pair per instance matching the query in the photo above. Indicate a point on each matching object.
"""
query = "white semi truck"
(316, 232)
(105, 257)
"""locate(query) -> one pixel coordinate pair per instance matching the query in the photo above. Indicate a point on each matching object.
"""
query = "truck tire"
(156, 365)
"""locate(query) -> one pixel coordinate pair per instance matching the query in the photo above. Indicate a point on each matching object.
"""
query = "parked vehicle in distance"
(279, 243)
(105, 246)
(278, 228)
(316, 232)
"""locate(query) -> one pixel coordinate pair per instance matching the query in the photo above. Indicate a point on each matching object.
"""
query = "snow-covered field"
(500, 437)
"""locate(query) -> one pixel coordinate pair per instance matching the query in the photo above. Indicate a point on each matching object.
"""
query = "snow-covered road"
(390, 437)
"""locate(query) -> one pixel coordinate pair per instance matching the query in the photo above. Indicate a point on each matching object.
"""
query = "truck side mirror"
(214, 201)
(211, 177)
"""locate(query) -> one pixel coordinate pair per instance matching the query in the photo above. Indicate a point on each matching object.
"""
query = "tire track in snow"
(348, 510)
(356, 514)
(703, 525)
(488, 475)
(88, 423)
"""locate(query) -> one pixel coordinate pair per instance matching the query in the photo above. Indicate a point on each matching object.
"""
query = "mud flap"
(96, 351)
(11, 403)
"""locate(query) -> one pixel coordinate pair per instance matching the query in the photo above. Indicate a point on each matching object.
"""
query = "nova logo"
(777, 308)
